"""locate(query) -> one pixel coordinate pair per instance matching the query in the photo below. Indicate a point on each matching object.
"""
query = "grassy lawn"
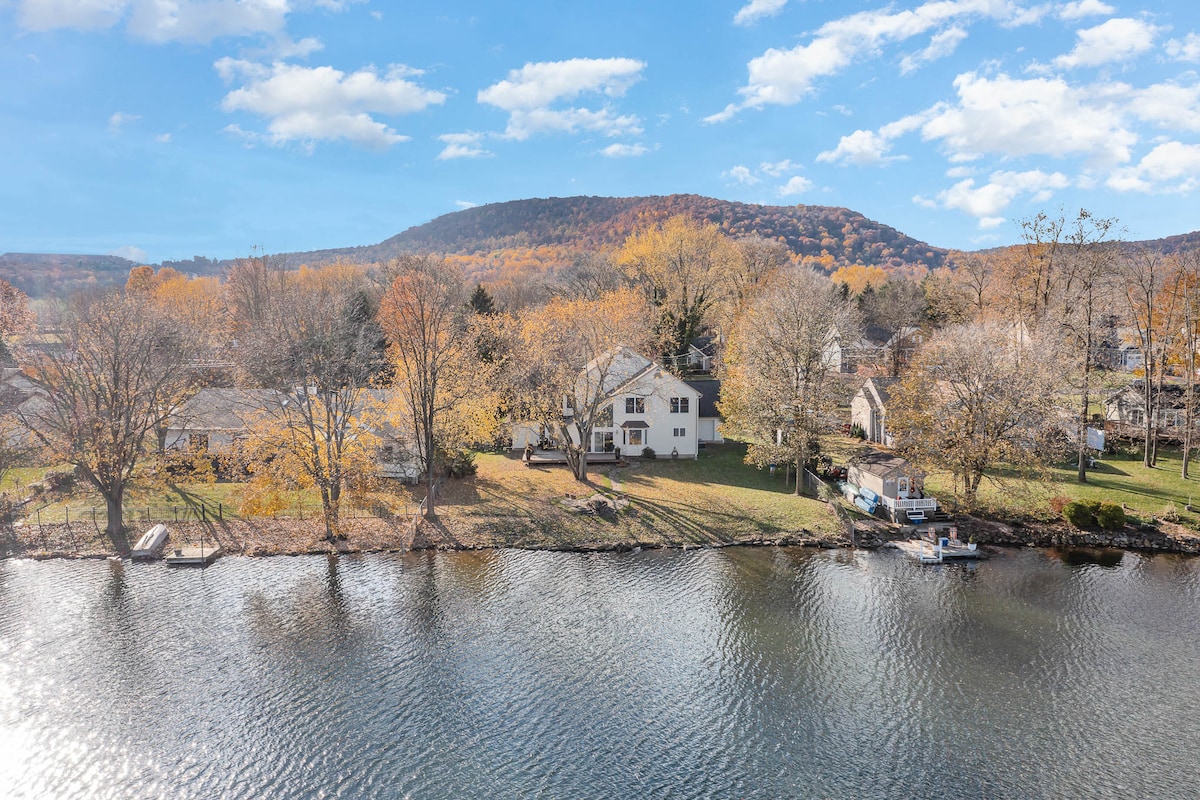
(715, 498)
(1119, 478)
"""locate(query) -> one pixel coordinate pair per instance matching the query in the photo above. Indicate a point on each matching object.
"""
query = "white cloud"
(871, 147)
(784, 77)
(119, 119)
(159, 20)
(988, 201)
(131, 253)
(941, 45)
(624, 150)
(777, 168)
(755, 10)
(1117, 39)
(1187, 50)
(465, 204)
(742, 175)
(322, 103)
(797, 184)
(1084, 8)
(1040, 116)
(461, 145)
(1169, 167)
(163, 138)
(527, 94)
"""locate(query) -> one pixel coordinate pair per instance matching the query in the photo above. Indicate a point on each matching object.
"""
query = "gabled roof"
(223, 409)
(710, 392)
(879, 388)
(881, 464)
(1173, 395)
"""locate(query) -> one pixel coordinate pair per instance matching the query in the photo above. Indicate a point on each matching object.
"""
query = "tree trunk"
(113, 501)
(1081, 476)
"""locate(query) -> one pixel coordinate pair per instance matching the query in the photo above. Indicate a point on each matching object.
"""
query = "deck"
(927, 552)
(545, 457)
(192, 556)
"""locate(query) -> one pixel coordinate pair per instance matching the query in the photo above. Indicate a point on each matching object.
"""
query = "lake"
(746, 672)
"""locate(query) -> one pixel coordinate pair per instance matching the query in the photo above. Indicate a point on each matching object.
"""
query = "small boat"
(151, 543)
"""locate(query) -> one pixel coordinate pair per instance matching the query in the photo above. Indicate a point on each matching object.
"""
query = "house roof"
(1173, 395)
(882, 388)
(635, 423)
(879, 463)
(710, 392)
(703, 344)
(222, 409)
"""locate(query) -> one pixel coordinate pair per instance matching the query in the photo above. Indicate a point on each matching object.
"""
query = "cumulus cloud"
(755, 10)
(624, 150)
(1117, 39)
(941, 45)
(322, 103)
(1186, 50)
(465, 204)
(1170, 167)
(784, 77)
(461, 145)
(777, 168)
(741, 174)
(797, 184)
(529, 93)
(1084, 8)
(871, 147)
(130, 253)
(988, 201)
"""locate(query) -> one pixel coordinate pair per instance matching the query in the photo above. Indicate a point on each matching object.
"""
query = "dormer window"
(635, 405)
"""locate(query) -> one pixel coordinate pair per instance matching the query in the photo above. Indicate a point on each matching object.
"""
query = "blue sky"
(162, 129)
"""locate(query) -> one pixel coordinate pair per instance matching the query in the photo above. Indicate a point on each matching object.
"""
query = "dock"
(192, 556)
(927, 552)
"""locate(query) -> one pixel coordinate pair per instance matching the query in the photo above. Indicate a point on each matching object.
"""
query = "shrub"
(1079, 515)
(648, 452)
(1058, 503)
(1169, 513)
(463, 464)
(1110, 517)
(59, 480)
(857, 431)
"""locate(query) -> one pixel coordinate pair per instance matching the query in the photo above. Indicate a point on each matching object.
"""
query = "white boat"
(151, 543)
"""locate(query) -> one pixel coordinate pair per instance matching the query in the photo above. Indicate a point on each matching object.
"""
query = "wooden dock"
(927, 552)
(192, 556)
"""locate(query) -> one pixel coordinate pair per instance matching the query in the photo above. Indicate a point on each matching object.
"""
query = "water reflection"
(743, 672)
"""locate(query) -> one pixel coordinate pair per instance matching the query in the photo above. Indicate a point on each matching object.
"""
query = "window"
(1137, 416)
(635, 405)
(680, 432)
(679, 405)
(635, 436)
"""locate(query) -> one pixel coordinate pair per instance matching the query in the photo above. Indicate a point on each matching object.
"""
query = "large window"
(679, 405)
(635, 405)
(635, 436)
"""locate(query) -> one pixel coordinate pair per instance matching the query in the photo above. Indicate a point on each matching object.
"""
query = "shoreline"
(260, 538)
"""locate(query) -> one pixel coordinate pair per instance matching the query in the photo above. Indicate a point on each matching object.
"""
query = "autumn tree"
(1186, 285)
(977, 397)
(679, 265)
(564, 363)
(857, 277)
(439, 380)
(121, 373)
(313, 338)
(897, 308)
(16, 318)
(779, 391)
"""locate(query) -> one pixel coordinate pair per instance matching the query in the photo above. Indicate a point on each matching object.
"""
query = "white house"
(889, 480)
(644, 407)
(868, 409)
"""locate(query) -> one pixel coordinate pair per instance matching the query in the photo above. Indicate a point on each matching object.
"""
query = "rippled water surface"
(738, 673)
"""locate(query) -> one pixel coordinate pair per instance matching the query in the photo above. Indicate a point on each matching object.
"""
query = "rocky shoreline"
(271, 537)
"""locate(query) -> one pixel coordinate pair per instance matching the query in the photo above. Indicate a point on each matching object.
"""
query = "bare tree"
(977, 397)
(312, 337)
(779, 389)
(425, 314)
(120, 375)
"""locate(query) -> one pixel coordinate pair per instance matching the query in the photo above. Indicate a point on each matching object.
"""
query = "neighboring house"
(700, 353)
(645, 407)
(708, 423)
(215, 420)
(1125, 411)
(868, 409)
(1120, 349)
(876, 347)
(892, 482)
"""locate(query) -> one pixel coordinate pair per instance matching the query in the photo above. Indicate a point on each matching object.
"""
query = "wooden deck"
(927, 552)
(547, 457)
(192, 556)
